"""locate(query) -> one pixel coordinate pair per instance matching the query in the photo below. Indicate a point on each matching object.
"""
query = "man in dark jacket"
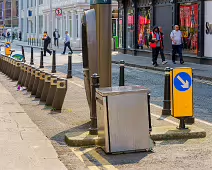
(162, 46)
(47, 41)
(56, 36)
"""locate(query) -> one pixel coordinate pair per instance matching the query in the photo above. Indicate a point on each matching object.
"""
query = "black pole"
(69, 75)
(22, 50)
(94, 85)
(41, 59)
(32, 59)
(28, 40)
(37, 41)
(149, 113)
(54, 62)
(167, 102)
(182, 123)
(114, 44)
(121, 75)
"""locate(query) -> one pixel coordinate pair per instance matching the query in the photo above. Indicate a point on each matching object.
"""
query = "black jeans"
(67, 45)
(56, 42)
(162, 54)
(46, 50)
(155, 52)
(177, 49)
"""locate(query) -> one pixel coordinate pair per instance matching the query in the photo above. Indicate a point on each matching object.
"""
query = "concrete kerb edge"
(161, 70)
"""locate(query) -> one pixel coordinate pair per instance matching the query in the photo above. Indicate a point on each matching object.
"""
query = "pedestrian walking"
(8, 36)
(47, 41)
(67, 43)
(162, 46)
(177, 44)
(20, 36)
(56, 36)
(155, 44)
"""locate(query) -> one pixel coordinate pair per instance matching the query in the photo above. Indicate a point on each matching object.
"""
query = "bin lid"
(116, 90)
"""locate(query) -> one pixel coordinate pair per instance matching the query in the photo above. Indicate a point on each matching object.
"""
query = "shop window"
(189, 26)
(121, 20)
(143, 28)
(130, 28)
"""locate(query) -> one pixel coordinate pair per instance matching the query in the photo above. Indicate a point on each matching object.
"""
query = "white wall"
(208, 37)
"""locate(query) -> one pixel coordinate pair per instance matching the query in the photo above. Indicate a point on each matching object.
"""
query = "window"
(121, 17)
(40, 2)
(189, 16)
(130, 28)
(143, 27)
(77, 20)
(40, 24)
(70, 26)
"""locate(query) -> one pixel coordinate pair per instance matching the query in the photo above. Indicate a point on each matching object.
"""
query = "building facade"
(8, 17)
(138, 17)
(36, 18)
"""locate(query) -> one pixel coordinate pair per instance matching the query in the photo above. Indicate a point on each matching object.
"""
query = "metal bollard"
(94, 85)
(40, 85)
(121, 75)
(17, 70)
(21, 73)
(26, 83)
(28, 40)
(167, 98)
(54, 62)
(60, 94)
(24, 74)
(41, 59)
(32, 58)
(32, 79)
(46, 87)
(22, 49)
(69, 75)
(52, 91)
(36, 82)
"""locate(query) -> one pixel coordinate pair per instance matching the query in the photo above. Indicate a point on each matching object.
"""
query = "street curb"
(172, 133)
(160, 69)
(79, 139)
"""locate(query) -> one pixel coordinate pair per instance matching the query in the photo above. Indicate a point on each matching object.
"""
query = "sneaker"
(181, 62)
(164, 62)
(155, 65)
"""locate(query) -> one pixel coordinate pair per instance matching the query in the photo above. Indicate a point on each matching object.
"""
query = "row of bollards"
(35, 42)
(50, 88)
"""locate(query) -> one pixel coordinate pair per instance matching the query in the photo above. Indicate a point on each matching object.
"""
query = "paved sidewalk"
(200, 71)
(19, 43)
(22, 144)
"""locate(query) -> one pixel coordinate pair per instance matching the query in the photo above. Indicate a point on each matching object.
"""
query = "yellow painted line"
(102, 160)
(93, 168)
(79, 154)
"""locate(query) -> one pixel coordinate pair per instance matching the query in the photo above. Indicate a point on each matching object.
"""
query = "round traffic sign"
(182, 82)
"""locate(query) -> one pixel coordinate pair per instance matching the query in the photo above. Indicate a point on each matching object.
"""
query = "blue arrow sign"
(7, 46)
(182, 82)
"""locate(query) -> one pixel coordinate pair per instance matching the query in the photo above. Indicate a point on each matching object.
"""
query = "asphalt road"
(155, 82)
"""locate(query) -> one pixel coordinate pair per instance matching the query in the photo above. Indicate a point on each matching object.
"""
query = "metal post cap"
(122, 62)
(167, 69)
(95, 75)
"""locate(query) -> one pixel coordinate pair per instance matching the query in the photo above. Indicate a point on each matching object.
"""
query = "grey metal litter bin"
(123, 121)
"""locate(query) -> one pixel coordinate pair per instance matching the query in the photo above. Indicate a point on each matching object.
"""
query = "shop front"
(137, 18)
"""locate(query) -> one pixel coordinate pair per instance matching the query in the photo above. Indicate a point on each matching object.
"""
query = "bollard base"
(166, 112)
(190, 120)
(69, 76)
(93, 131)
